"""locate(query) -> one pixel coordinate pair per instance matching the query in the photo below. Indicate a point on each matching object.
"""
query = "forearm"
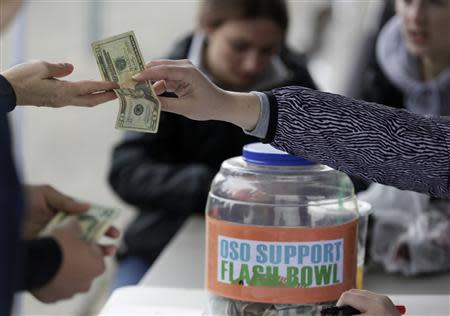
(41, 259)
(368, 140)
(7, 96)
(243, 110)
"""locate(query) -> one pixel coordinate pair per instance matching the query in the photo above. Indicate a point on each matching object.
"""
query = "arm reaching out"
(36, 83)
(198, 98)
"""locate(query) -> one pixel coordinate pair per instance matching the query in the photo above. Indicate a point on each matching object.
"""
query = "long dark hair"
(215, 12)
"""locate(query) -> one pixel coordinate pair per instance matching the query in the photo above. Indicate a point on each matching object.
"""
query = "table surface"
(181, 265)
(152, 301)
(174, 284)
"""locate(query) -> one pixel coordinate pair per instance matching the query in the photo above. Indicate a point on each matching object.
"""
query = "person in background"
(411, 70)
(61, 264)
(240, 45)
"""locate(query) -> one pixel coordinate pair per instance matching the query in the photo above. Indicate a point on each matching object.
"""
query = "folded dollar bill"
(119, 58)
(94, 222)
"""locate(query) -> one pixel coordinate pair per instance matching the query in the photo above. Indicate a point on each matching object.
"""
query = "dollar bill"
(119, 58)
(94, 222)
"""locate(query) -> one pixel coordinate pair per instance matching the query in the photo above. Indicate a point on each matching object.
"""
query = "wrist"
(244, 110)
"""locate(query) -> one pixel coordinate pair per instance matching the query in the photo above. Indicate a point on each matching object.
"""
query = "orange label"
(283, 265)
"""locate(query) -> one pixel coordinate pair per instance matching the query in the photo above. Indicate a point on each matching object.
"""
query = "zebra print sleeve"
(368, 140)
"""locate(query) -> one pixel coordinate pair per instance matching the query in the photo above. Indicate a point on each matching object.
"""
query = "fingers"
(108, 250)
(355, 298)
(157, 62)
(94, 99)
(112, 232)
(160, 87)
(170, 105)
(166, 72)
(72, 226)
(62, 203)
(57, 70)
(90, 86)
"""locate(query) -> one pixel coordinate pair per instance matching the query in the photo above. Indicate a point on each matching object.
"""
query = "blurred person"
(240, 45)
(61, 264)
(411, 70)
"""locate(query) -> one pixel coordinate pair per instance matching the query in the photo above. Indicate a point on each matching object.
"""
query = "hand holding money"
(81, 263)
(198, 98)
(82, 258)
(119, 59)
(94, 223)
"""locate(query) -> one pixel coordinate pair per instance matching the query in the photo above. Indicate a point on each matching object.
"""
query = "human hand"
(81, 264)
(198, 98)
(35, 83)
(368, 303)
(44, 202)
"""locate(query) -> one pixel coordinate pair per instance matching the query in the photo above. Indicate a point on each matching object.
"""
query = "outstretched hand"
(44, 202)
(37, 83)
(197, 97)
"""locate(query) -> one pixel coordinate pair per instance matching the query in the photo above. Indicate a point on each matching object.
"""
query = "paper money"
(93, 223)
(119, 58)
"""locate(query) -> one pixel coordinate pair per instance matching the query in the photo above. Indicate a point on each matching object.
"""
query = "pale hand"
(44, 202)
(36, 83)
(81, 264)
(198, 98)
(368, 303)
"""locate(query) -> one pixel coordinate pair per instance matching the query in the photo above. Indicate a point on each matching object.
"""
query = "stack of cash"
(93, 223)
(119, 59)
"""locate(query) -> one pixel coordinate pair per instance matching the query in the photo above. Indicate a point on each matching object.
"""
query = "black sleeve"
(273, 118)
(41, 260)
(7, 96)
(152, 171)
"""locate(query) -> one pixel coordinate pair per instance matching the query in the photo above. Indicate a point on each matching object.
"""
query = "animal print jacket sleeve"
(369, 140)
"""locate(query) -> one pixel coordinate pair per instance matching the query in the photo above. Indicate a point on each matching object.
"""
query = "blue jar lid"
(264, 154)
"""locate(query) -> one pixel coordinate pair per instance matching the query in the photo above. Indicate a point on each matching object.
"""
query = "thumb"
(63, 203)
(171, 105)
(58, 70)
(72, 226)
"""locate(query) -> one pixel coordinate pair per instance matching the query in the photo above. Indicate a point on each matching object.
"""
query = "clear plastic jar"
(281, 235)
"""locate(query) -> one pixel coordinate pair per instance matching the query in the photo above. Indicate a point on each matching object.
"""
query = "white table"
(178, 274)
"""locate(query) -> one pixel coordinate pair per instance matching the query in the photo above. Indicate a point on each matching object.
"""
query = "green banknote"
(93, 223)
(119, 58)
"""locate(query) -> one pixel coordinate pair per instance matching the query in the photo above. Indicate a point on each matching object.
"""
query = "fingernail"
(135, 77)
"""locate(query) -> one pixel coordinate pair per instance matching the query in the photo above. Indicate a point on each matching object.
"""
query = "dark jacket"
(24, 265)
(10, 203)
(375, 87)
(167, 175)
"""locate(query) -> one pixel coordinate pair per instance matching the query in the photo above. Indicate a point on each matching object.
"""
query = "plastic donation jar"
(281, 235)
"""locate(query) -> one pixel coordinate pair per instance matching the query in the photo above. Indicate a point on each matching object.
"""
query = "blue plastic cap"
(264, 154)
